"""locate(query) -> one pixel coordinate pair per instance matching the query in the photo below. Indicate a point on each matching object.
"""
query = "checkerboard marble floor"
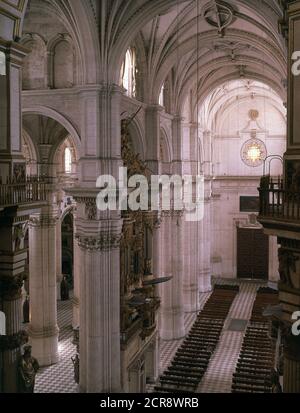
(169, 348)
(218, 377)
(59, 378)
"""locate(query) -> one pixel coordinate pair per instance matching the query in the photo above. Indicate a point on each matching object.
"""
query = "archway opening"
(67, 236)
(242, 124)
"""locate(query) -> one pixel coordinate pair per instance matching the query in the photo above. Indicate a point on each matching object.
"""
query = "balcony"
(279, 207)
(33, 190)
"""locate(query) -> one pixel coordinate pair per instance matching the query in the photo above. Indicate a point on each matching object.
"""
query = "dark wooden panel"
(249, 204)
(252, 253)
(244, 256)
(260, 255)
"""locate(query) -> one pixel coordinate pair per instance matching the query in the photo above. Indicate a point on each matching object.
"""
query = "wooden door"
(252, 254)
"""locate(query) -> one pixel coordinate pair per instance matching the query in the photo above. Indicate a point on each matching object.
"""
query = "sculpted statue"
(28, 368)
(64, 289)
(26, 310)
(275, 380)
(76, 364)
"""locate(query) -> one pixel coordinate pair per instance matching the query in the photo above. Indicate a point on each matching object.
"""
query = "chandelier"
(254, 152)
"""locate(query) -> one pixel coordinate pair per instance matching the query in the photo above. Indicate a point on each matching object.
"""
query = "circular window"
(254, 152)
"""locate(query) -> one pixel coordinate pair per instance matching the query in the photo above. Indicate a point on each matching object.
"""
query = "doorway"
(67, 248)
(252, 254)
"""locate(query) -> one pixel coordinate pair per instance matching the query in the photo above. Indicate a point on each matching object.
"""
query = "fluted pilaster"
(99, 312)
(172, 308)
(204, 263)
(190, 275)
(43, 329)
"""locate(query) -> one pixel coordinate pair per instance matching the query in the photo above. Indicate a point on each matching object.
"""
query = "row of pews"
(255, 366)
(192, 358)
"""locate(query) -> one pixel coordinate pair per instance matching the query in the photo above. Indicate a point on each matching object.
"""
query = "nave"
(156, 87)
(222, 365)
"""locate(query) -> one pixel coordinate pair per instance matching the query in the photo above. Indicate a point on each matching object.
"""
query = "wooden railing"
(278, 202)
(18, 193)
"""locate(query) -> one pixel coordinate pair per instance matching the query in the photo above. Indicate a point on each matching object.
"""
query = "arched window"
(161, 95)
(2, 64)
(68, 161)
(128, 77)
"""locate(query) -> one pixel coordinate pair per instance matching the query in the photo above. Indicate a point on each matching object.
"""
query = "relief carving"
(91, 209)
(10, 287)
(104, 242)
(19, 234)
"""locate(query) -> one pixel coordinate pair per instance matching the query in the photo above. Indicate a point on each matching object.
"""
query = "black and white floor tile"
(59, 378)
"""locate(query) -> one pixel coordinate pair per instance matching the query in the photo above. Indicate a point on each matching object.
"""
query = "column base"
(205, 285)
(76, 315)
(191, 300)
(58, 283)
(172, 326)
(44, 346)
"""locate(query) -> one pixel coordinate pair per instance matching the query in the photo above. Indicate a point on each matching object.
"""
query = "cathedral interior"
(143, 300)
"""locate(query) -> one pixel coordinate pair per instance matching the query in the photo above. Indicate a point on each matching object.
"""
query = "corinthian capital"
(43, 221)
(106, 241)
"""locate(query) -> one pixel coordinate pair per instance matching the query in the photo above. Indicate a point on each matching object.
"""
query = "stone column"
(59, 275)
(190, 275)
(12, 267)
(99, 299)
(43, 329)
(156, 259)
(205, 268)
(77, 268)
(152, 119)
(172, 309)
(191, 229)
(207, 148)
(98, 235)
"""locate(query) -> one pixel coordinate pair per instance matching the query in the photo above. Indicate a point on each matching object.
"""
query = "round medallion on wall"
(254, 152)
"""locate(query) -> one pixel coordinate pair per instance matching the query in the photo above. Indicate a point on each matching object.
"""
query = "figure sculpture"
(26, 311)
(75, 361)
(64, 289)
(28, 368)
(275, 380)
